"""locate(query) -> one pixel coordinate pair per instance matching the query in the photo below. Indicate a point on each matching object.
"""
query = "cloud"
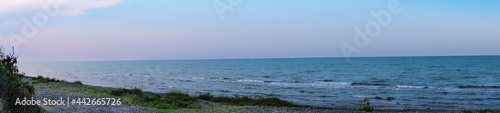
(67, 7)
(17, 5)
(76, 7)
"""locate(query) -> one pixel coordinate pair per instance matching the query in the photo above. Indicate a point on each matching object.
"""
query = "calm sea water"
(460, 82)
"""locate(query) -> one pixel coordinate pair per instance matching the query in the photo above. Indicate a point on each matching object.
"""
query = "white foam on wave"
(247, 80)
(362, 96)
(315, 84)
(336, 83)
(406, 86)
(199, 78)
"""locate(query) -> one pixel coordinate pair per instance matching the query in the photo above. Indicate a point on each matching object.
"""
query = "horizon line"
(248, 58)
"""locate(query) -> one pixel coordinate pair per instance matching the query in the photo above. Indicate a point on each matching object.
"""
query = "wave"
(369, 84)
(215, 79)
(315, 84)
(384, 98)
(335, 83)
(406, 86)
(316, 99)
(268, 82)
(328, 80)
(248, 80)
(478, 86)
(199, 78)
(311, 71)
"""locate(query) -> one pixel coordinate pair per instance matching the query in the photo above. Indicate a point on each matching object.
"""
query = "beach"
(56, 90)
(44, 90)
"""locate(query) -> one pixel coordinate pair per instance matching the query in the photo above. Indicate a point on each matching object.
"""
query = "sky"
(101, 30)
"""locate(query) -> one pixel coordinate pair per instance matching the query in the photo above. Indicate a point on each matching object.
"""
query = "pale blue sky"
(192, 29)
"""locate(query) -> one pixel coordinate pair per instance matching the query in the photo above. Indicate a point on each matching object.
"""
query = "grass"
(122, 91)
(174, 100)
(249, 101)
(78, 82)
(41, 79)
(83, 90)
(171, 100)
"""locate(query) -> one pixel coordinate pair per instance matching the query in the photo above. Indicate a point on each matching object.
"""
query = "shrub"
(76, 82)
(174, 100)
(246, 100)
(179, 96)
(12, 87)
(136, 91)
(121, 91)
(206, 96)
(41, 79)
(153, 98)
(367, 107)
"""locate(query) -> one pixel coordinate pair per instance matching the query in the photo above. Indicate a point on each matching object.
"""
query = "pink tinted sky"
(89, 30)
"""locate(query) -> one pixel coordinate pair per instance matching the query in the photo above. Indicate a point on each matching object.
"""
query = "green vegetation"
(366, 107)
(78, 82)
(248, 101)
(174, 100)
(41, 79)
(12, 87)
(171, 100)
(122, 91)
(80, 89)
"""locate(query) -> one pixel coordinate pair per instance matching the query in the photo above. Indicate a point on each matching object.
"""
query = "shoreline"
(45, 90)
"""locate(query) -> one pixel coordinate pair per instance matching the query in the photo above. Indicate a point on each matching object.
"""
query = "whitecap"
(406, 86)
(246, 80)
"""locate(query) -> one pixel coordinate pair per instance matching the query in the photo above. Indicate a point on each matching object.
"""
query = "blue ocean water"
(448, 82)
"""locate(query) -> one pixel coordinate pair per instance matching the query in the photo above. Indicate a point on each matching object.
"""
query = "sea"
(431, 82)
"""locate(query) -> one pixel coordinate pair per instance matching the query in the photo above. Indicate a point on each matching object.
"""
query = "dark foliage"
(248, 101)
(41, 79)
(174, 100)
(121, 91)
(12, 87)
(78, 82)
